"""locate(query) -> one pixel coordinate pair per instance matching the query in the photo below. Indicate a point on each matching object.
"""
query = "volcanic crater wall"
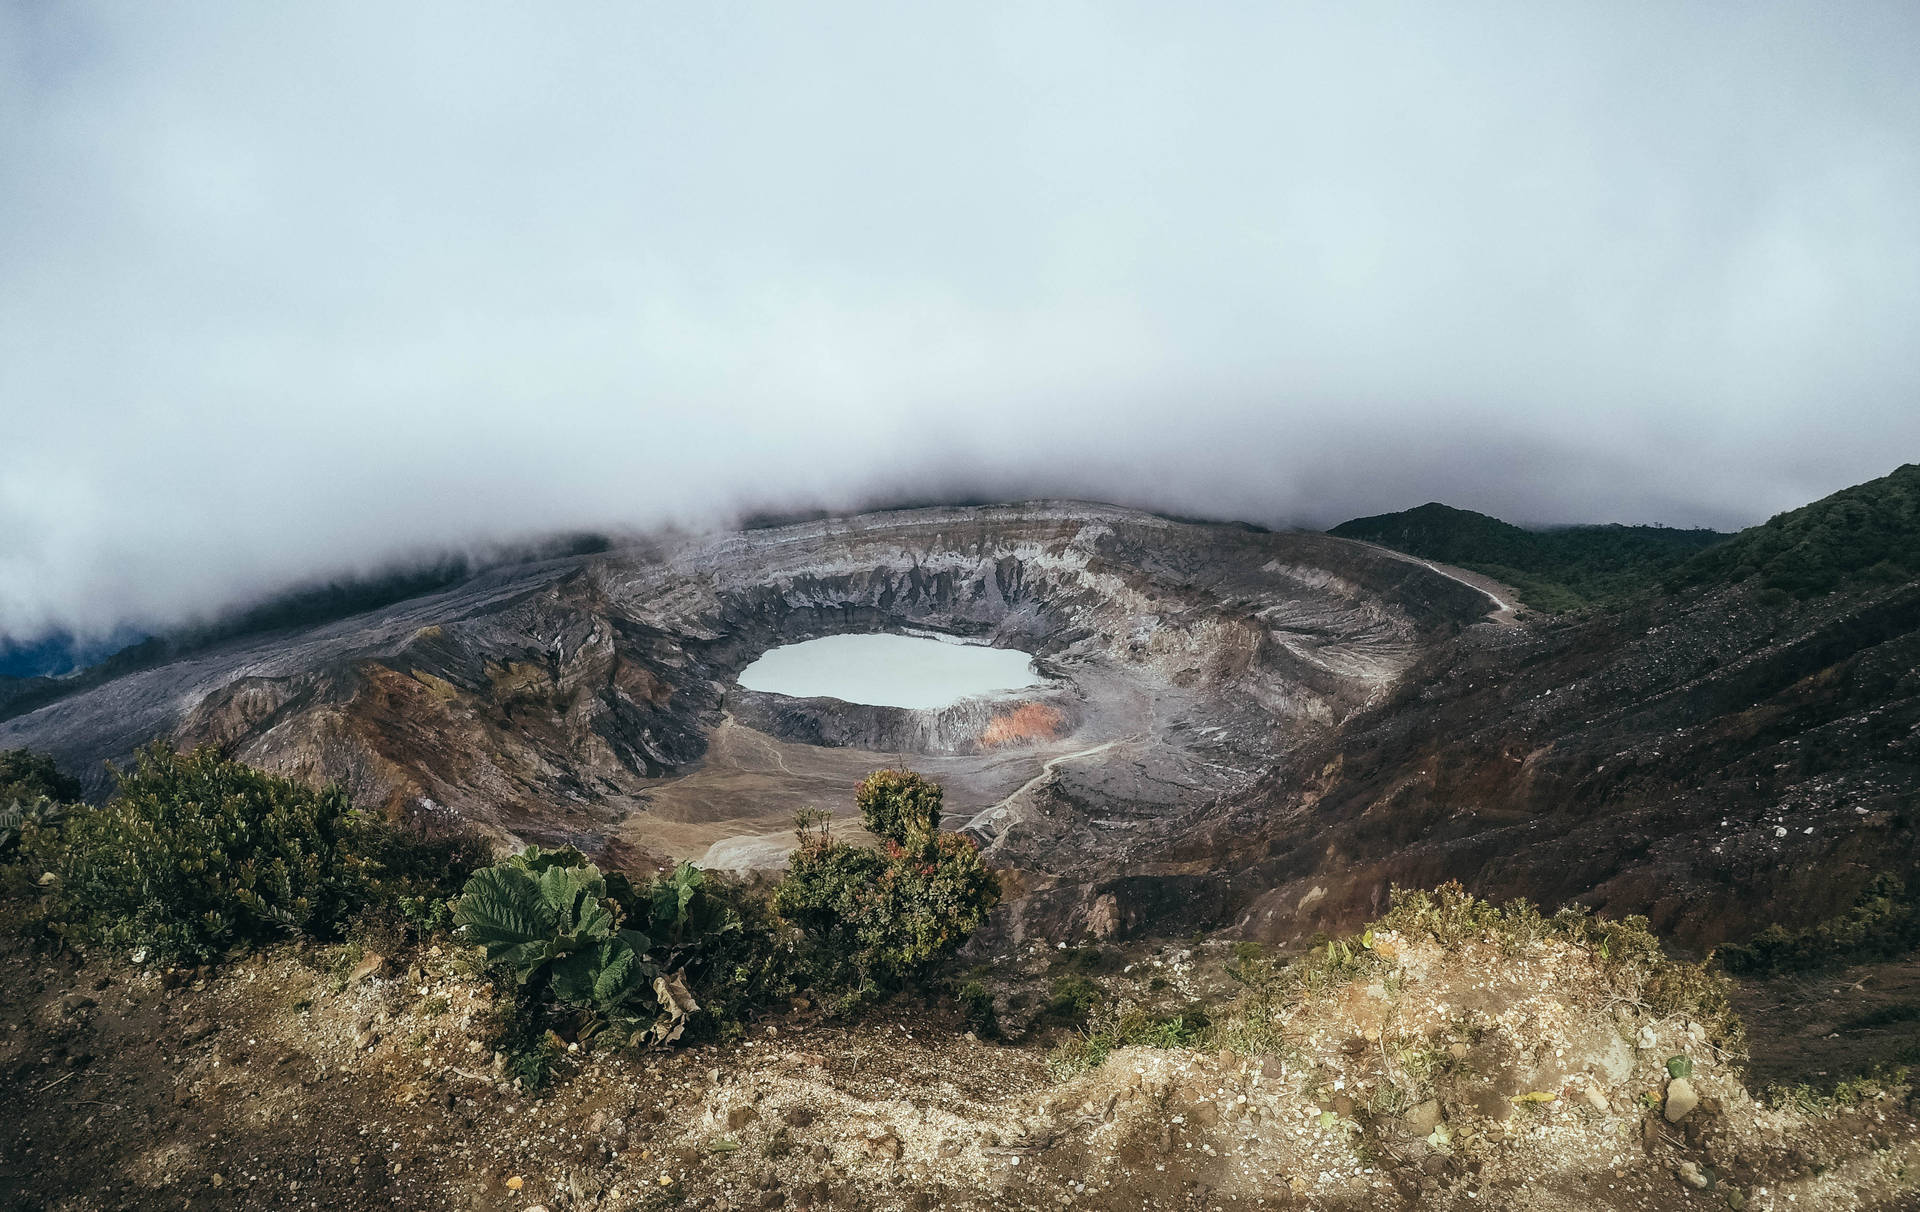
(551, 701)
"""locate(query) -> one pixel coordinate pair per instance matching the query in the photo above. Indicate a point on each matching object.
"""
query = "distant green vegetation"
(1861, 536)
(1565, 568)
(1865, 535)
(1883, 923)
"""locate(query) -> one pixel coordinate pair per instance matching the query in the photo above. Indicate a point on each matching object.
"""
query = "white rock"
(1681, 1099)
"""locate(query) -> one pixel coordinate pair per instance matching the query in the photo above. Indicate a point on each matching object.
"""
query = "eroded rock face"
(592, 699)
(1713, 762)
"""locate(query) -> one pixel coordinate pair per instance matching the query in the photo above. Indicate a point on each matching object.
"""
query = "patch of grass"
(1809, 1099)
(1113, 1029)
(1419, 1062)
(1088, 960)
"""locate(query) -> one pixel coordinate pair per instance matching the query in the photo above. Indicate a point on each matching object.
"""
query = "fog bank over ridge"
(286, 294)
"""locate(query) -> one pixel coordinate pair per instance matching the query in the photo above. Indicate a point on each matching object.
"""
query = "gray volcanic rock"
(592, 698)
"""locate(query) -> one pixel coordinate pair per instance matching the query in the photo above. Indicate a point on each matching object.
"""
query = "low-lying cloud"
(287, 291)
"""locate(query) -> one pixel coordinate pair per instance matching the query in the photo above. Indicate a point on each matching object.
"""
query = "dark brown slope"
(1712, 762)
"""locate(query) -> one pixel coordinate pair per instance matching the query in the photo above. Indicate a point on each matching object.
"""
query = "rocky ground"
(1466, 1077)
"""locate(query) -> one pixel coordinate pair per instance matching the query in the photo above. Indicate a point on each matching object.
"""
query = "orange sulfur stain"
(1027, 722)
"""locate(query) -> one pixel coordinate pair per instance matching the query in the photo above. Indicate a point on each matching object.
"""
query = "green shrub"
(895, 805)
(638, 959)
(33, 792)
(195, 854)
(26, 776)
(1072, 998)
(879, 921)
(1882, 923)
(976, 1003)
(21, 816)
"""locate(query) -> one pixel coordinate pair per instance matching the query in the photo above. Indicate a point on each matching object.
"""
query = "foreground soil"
(306, 1077)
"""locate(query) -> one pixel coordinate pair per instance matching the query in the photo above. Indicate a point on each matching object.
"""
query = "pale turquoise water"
(889, 670)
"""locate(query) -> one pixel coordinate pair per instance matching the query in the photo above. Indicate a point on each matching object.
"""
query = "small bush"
(879, 921)
(895, 805)
(646, 961)
(33, 793)
(26, 776)
(976, 1003)
(21, 816)
(195, 855)
(1882, 923)
(1072, 998)
(1631, 959)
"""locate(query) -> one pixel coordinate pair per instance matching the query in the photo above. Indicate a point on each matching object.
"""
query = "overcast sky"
(287, 290)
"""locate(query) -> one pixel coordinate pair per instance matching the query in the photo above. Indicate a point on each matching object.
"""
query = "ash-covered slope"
(1720, 758)
(592, 698)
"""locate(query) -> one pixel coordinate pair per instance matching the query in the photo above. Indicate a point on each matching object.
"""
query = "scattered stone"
(1422, 1118)
(1689, 1172)
(885, 1144)
(740, 1117)
(1272, 1066)
(1596, 1098)
(372, 966)
(1681, 1099)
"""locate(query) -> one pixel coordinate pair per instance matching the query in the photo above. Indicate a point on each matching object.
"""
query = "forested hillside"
(1565, 568)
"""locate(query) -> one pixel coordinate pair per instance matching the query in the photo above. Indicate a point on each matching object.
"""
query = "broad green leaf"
(503, 911)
